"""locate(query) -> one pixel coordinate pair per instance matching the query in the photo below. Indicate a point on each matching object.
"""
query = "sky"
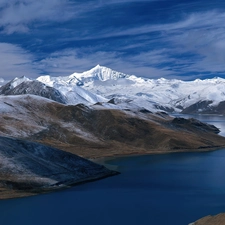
(174, 39)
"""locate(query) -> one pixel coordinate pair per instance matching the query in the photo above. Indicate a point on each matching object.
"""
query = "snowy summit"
(102, 84)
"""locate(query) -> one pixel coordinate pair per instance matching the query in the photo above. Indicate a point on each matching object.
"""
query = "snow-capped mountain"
(59, 92)
(98, 73)
(101, 84)
(154, 94)
(23, 85)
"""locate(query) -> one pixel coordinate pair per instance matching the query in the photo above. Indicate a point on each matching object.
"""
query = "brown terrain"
(28, 168)
(90, 132)
(96, 131)
(211, 220)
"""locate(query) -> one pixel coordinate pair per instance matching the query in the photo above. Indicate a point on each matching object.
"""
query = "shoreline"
(216, 219)
(102, 160)
(115, 156)
(11, 194)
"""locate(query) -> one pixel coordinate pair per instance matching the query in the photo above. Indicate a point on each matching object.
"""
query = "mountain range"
(101, 84)
(195, 97)
(98, 113)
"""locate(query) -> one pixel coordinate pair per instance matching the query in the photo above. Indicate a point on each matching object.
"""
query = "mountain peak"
(101, 73)
(97, 66)
(12, 84)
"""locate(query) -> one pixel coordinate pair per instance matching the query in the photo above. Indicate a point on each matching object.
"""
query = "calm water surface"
(170, 189)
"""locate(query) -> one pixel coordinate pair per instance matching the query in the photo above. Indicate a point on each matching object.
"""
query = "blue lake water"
(169, 189)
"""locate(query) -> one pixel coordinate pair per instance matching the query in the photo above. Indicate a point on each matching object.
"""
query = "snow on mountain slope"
(12, 84)
(101, 84)
(69, 87)
(14, 109)
(25, 86)
(96, 74)
(60, 91)
(96, 131)
(27, 115)
(153, 94)
(76, 95)
(174, 94)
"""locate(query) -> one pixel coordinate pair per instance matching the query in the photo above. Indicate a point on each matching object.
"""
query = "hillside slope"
(28, 168)
(99, 131)
(211, 220)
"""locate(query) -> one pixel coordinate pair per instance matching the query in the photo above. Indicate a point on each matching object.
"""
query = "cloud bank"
(15, 62)
(19, 15)
(150, 38)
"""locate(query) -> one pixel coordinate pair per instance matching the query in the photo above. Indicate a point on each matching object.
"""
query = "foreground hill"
(211, 220)
(28, 168)
(99, 130)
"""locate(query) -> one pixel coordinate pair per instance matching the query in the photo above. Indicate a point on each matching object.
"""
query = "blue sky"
(182, 39)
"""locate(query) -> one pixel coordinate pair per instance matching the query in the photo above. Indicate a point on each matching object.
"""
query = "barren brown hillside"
(211, 220)
(98, 132)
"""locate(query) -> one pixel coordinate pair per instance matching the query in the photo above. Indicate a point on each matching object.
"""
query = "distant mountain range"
(102, 84)
(198, 96)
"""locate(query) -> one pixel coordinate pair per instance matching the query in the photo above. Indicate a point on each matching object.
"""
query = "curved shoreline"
(99, 159)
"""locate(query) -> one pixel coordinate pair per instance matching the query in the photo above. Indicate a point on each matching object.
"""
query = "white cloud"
(15, 62)
(69, 61)
(206, 47)
(17, 15)
(211, 19)
(201, 35)
(193, 45)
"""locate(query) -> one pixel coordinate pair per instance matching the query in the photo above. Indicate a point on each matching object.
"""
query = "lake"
(168, 189)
